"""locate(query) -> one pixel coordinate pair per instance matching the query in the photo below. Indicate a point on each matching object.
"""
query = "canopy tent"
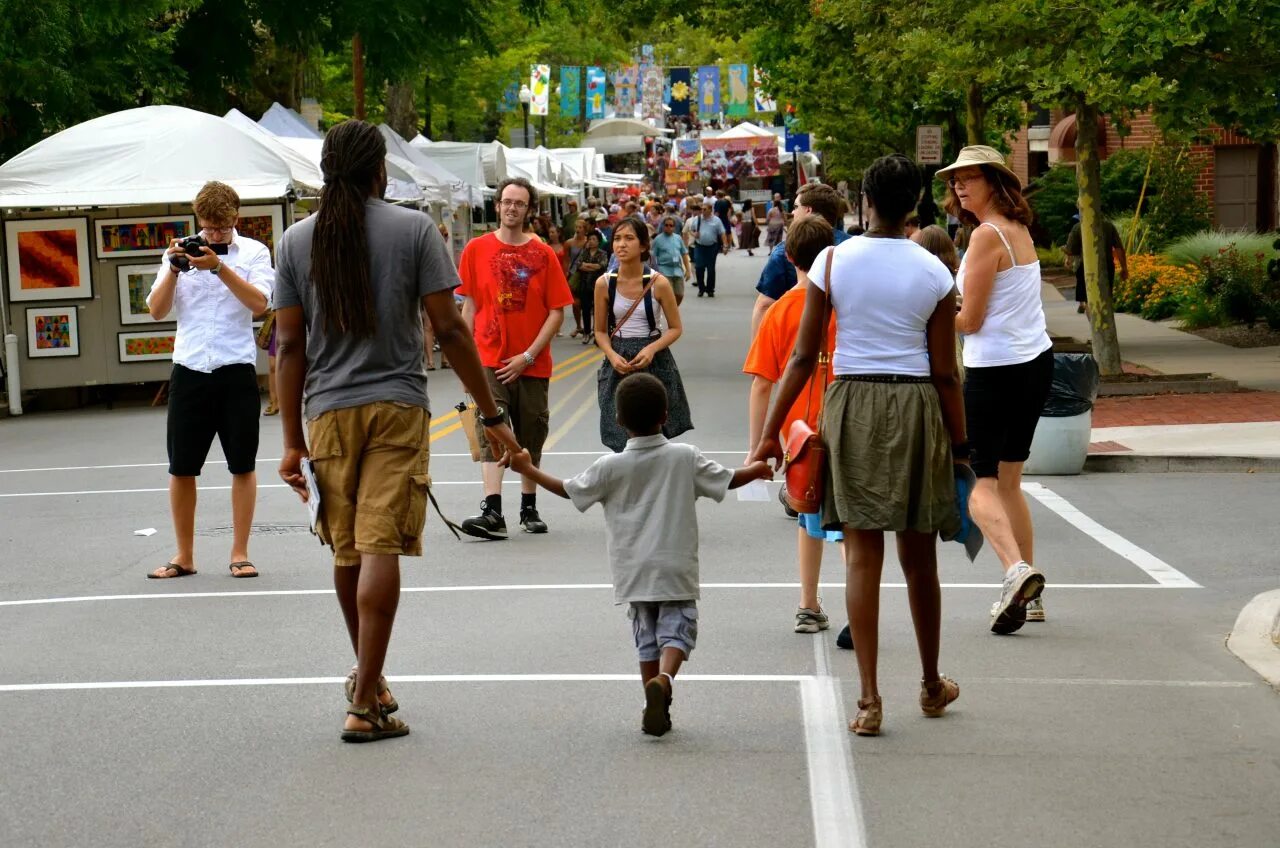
(465, 163)
(401, 186)
(492, 155)
(581, 161)
(284, 122)
(613, 136)
(457, 192)
(621, 179)
(156, 154)
(305, 173)
(537, 168)
(746, 129)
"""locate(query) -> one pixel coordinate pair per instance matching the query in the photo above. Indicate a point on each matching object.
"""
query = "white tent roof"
(306, 173)
(582, 160)
(281, 121)
(456, 192)
(400, 184)
(493, 156)
(465, 163)
(538, 169)
(155, 154)
(746, 129)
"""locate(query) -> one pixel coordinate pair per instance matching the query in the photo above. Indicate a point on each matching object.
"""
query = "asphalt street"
(206, 711)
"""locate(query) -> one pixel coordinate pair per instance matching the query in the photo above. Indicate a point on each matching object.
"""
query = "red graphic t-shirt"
(514, 288)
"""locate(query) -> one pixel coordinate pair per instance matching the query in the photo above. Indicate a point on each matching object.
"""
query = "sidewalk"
(1239, 424)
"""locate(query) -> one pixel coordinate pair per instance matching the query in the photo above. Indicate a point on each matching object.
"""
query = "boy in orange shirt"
(766, 361)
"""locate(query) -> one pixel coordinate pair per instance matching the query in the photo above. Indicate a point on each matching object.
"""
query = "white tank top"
(1013, 330)
(637, 326)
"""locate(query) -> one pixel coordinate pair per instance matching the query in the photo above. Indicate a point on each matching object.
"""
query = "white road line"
(1158, 569)
(395, 678)
(1102, 681)
(518, 587)
(834, 798)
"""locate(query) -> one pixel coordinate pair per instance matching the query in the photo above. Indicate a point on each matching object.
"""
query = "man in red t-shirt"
(515, 292)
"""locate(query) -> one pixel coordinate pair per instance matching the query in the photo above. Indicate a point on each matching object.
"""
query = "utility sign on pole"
(929, 144)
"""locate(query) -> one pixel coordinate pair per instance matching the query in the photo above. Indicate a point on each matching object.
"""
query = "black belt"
(884, 378)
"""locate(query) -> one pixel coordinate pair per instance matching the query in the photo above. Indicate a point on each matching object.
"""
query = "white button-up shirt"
(214, 328)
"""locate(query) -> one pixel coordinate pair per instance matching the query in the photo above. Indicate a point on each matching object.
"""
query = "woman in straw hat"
(1008, 359)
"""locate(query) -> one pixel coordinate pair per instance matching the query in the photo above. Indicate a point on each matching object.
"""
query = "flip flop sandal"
(350, 689)
(242, 566)
(384, 726)
(182, 570)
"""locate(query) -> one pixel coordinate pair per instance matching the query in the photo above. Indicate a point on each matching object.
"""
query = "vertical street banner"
(626, 83)
(681, 91)
(570, 90)
(595, 93)
(739, 91)
(708, 91)
(540, 85)
(764, 99)
(510, 95)
(652, 86)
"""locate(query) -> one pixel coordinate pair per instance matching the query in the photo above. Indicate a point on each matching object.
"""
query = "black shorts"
(1002, 406)
(226, 404)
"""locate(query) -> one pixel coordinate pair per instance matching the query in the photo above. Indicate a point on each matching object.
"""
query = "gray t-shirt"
(651, 529)
(407, 261)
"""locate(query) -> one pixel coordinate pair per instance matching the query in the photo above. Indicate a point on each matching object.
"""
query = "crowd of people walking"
(851, 337)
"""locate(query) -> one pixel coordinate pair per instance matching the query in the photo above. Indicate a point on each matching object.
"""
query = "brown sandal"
(179, 571)
(384, 726)
(389, 707)
(934, 697)
(870, 715)
(242, 566)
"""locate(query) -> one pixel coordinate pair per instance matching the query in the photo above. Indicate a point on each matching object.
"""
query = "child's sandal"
(350, 688)
(384, 726)
(870, 715)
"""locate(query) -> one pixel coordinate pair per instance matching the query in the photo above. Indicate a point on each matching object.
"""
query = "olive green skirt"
(889, 459)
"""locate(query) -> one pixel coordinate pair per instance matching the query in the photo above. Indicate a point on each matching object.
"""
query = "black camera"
(192, 245)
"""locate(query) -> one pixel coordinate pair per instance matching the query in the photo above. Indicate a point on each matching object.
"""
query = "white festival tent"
(621, 135)
(538, 169)
(492, 155)
(746, 129)
(282, 121)
(150, 155)
(457, 191)
(306, 173)
(464, 162)
(401, 186)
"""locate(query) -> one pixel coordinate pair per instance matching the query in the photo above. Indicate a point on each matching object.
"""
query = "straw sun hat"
(979, 154)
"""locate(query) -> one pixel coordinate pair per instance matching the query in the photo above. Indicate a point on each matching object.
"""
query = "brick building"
(1238, 176)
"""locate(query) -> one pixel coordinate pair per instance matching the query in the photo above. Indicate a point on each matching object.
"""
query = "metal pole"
(525, 138)
(544, 130)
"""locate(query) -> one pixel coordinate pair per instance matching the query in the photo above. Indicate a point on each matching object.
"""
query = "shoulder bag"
(805, 455)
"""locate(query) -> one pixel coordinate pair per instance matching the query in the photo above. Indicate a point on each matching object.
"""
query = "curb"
(1256, 637)
(1139, 463)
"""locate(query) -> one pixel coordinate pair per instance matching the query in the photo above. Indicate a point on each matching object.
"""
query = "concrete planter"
(1061, 445)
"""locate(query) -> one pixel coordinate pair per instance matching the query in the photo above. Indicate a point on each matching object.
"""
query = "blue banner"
(596, 81)
(708, 91)
(570, 90)
(681, 91)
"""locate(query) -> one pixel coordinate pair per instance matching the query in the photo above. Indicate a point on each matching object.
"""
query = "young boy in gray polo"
(648, 492)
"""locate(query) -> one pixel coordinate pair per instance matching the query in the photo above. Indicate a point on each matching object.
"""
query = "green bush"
(1122, 175)
(1235, 288)
(1053, 196)
(1176, 209)
(1140, 231)
(1193, 249)
(1051, 256)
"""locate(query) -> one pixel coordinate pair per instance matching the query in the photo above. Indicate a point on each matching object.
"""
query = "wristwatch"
(217, 269)
(500, 418)
(529, 358)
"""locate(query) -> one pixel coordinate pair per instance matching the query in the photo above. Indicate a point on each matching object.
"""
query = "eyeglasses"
(957, 181)
(513, 204)
(217, 231)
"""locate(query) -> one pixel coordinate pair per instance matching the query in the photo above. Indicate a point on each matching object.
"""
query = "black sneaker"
(487, 525)
(530, 521)
(786, 507)
(845, 639)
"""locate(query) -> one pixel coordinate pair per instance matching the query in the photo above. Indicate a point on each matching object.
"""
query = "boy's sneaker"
(530, 521)
(1035, 610)
(845, 639)
(1022, 585)
(487, 525)
(656, 719)
(811, 621)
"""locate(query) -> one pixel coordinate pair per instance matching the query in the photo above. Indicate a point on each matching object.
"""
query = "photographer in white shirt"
(213, 390)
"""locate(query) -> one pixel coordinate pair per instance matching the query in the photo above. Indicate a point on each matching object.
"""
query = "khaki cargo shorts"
(371, 469)
(529, 415)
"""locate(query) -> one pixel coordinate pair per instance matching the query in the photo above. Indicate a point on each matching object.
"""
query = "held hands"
(291, 471)
(520, 462)
(512, 368)
(502, 442)
(760, 470)
(767, 449)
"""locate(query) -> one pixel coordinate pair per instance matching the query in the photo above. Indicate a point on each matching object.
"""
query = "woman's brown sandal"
(384, 726)
(934, 697)
(389, 707)
(870, 715)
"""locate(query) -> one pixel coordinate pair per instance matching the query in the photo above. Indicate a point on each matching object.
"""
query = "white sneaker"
(1022, 585)
(1035, 610)
(811, 621)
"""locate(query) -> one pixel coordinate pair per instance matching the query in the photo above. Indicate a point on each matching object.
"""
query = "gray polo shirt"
(407, 261)
(651, 528)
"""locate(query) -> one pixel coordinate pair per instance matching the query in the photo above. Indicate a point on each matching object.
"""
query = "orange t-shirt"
(772, 349)
(514, 288)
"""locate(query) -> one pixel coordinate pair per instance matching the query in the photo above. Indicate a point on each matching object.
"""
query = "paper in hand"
(756, 490)
(313, 491)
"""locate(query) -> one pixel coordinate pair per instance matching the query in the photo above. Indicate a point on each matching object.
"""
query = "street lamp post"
(525, 96)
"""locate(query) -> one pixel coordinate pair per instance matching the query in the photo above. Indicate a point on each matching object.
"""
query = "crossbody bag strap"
(613, 287)
(823, 359)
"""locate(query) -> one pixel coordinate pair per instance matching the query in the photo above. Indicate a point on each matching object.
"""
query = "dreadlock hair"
(892, 184)
(351, 160)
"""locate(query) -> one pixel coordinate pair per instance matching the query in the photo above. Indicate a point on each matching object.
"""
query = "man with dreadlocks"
(353, 282)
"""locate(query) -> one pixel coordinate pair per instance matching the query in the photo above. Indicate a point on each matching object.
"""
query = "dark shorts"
(528, 412)
(225, 404)
(1002, 406)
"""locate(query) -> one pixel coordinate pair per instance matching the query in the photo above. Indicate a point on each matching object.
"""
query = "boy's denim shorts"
(663, 624)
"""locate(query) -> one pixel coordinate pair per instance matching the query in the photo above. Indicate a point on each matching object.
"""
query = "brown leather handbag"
(805, 455)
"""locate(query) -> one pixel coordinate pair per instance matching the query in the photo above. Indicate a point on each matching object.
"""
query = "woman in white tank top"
(1008, 360)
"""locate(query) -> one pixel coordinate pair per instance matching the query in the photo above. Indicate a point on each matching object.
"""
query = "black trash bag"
(1075, 385)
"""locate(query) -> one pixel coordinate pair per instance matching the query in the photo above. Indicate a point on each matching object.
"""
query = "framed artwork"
(52, 331)
(124, 238)
(135, 285)
(48, 259)
(262, 223)
(146, 347)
